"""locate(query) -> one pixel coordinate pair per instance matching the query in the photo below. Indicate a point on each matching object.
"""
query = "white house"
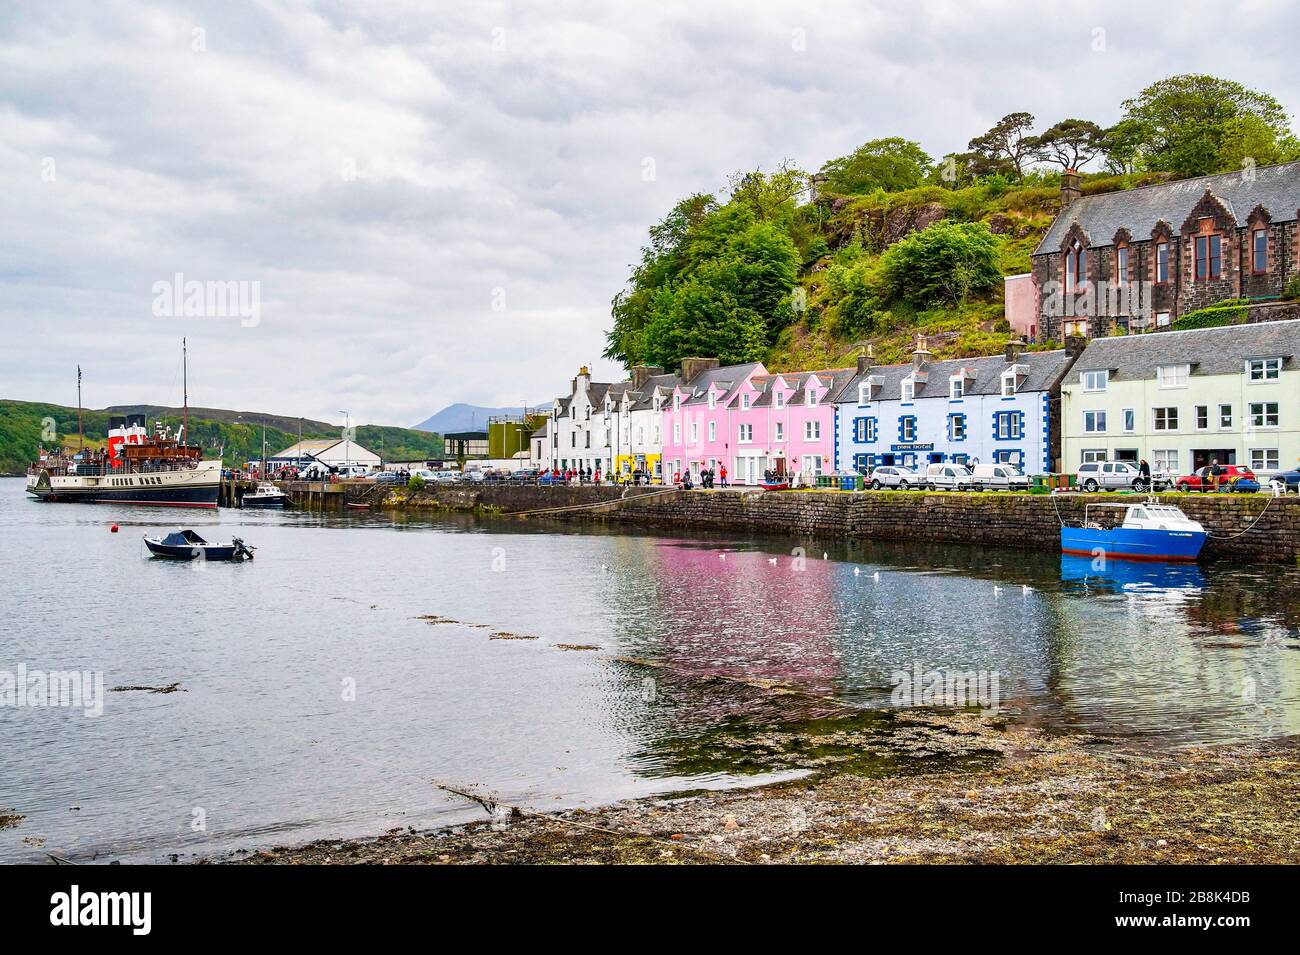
(966, 410)
(334, 452)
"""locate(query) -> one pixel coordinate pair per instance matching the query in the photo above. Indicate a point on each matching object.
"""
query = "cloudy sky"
(435, 201)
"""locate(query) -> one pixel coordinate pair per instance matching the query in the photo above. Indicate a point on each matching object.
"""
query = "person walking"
(722, 475)
(1144, 473)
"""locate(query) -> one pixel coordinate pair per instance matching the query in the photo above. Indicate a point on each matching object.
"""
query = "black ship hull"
(195, 496)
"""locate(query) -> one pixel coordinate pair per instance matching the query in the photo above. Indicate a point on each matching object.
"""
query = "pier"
(305, 495)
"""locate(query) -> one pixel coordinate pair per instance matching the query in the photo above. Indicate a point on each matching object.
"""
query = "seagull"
(856, 571)
(603, 568)
(876, 576)
(771, 560)
(722, 556)
(997, 591)
(1025, 590)
(824, 555)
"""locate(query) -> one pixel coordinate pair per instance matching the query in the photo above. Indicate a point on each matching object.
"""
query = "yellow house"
(1183, 400)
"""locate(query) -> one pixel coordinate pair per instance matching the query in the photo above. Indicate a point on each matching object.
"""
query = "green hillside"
(237, 434)
(802, 269)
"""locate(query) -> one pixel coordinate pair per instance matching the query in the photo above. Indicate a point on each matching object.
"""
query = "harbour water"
(317, 697)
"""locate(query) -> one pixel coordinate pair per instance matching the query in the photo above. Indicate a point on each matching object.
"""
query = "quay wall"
(987, 519)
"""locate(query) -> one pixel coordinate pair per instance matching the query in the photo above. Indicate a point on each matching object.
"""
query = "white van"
(949, 477)
(1000, 477)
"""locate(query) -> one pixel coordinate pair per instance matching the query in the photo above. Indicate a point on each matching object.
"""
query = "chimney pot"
(1014, 349)
(1069, 187)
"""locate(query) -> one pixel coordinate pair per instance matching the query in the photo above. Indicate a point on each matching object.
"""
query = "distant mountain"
(463, 417)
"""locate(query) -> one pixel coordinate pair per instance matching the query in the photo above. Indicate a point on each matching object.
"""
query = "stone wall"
(989, 519)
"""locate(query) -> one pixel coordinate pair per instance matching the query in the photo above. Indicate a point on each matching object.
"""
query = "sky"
(386, 206)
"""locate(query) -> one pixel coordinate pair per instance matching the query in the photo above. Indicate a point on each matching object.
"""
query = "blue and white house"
(967, 411)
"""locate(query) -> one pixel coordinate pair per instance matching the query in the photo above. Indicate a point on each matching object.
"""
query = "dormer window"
(812, 398)
(778, 399)
(956, 387)
(908, 389)
(677, 402)
(1009, 383)
(1172, 376)
(1095, 380)
(744, 402)
(713, 400)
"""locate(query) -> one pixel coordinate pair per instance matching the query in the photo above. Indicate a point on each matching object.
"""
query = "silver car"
(896, 477)
(1114, 476)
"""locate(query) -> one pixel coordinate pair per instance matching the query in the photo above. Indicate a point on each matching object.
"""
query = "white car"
(949, 477)
(896, 477)
(999, 477)
(1115, 475)
(445, 477)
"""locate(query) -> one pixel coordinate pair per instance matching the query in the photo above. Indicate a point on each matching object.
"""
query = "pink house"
(750, 421)
(1021, 305)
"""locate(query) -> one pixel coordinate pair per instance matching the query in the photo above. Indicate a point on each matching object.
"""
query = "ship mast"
(81, 434)
(185, 390)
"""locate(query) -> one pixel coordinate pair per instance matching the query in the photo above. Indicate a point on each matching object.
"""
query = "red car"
(1229, 474)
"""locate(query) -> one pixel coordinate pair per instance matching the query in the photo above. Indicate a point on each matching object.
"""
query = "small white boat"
(266, 495)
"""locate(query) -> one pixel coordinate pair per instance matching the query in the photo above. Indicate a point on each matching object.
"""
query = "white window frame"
(1257, 465)
(1155, 412)
(744, 401)
(956, 387)
(1089, 380)
(745, 434)
(1196, 418)
(1092, 455)
(907, 427)
(1094, 422)
(810, 397)
(1008, 384)
(812, 430)
(778, 398)
(713, 399)
(1165, 459)
(907, 389)
(778, 431)
(713, 431)
(1173, 376)
(1264, 414)
(1270, 369)
(1128, 420)
(1229, 416)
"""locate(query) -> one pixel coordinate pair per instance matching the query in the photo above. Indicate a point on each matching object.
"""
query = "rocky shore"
(961, 789)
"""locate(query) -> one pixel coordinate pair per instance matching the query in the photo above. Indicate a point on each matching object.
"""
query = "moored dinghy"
(185, 544)
(1148, 531)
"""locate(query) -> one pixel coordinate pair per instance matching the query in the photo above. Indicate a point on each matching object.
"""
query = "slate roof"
(1042, 369)
(1210, 351)
(645, 397)
(542, 432)
(728, 378)
(1276, 188)
(831, 378)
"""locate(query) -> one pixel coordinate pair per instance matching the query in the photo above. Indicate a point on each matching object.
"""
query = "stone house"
(1137, 259)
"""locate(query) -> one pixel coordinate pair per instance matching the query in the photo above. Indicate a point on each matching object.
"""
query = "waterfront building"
(580, 437)
(333, 452)
(1182, 400)
(1178, 245)
(751, 421)
(635, 409)
(463, 445)
(999, 408)
(539, 447)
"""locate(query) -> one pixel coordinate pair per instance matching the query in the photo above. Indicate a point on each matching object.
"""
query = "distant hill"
(463, 417)
(238, 434)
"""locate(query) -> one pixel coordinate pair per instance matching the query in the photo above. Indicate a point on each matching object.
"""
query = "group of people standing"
(709, 477)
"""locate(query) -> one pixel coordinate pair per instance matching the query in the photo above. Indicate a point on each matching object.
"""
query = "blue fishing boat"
(187, 545)
(1147, 531)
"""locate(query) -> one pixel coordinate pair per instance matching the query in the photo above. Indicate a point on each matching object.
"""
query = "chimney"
(693, 366)
(1069, 187)
(865, 359)
(921, 357)
(1075, 344)
(1014, 349)
(643, 373)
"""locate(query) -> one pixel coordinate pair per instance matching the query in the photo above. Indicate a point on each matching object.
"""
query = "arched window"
(1076, 266)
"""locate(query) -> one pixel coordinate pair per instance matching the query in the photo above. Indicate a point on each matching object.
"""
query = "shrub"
(1227, 312)
(416, 483)
(941, 265)
(1292, 290)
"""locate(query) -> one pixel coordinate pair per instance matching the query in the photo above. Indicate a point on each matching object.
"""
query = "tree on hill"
(1194, 124)
(1009, 146)
(892, 164)
(942, 265)
(1071, 143)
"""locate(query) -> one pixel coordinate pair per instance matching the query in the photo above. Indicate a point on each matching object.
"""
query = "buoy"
(113, 529)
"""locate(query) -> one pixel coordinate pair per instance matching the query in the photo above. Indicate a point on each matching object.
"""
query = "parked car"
(472, 474)
(1290, 479)
(999, 477)
(445, 477)
(896, 477)
(1115, 476)
(1231, 477)
(390, 477)
(525, 476)
(949, 477)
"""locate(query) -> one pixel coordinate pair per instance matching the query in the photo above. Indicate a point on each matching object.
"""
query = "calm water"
(265, 743)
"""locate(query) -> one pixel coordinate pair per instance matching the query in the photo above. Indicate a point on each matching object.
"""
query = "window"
(746, 434)
(695, 431)
(1164, 419)
(1121, 263)
(1201, 414)
(864, 393)
(909, 389)
(713, 431)
(778, 432)
(1263, 459)
(1008, 425)
(677, 432)
(1095, 380)
(1259, 251)
(1076, 326)
(1165, 459)
(1265, 369)
(677, 402)
(744, 402)
(640, 435)
(907, 428)
(1162, 319)
(956, 387)
(1209, 257)
(956, 427)
(1094, 422)
(713, 400)
(656, 441)
(1008, 384)
(1076, 266)
(864, 430)
(778, 399)
(1093, 455)
(1225, 417)
(1162, 262)
(812, 430)
(1130, 420)
(1172, 376)
(812, 398)
(1263, 414)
